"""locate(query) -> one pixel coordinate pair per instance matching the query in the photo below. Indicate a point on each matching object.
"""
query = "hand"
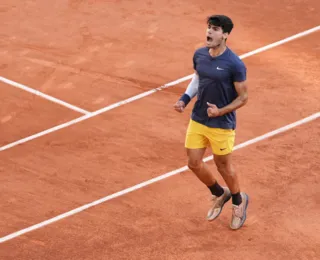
(179, 106)
(212, 110)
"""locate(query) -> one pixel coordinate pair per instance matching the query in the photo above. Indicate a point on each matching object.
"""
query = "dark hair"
(221, 21)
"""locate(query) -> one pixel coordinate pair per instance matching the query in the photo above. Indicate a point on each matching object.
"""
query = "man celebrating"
(220, 85)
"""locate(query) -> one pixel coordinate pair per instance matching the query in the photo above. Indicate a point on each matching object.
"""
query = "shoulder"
(235, 60)
(202, 50)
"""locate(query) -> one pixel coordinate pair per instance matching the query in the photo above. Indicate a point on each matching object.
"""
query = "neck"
(217, 51)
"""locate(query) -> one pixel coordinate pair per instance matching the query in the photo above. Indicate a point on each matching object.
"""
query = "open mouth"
(209, 39)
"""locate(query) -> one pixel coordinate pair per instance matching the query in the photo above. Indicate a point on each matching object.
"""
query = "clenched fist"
(179, 106)
(212, 110)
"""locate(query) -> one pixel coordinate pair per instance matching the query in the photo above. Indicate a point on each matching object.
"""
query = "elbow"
(244, 99)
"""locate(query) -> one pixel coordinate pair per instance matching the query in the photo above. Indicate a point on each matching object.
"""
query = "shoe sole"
(245, 213)
(228, 198)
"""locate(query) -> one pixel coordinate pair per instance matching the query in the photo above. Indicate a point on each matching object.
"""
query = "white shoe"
(218, 203)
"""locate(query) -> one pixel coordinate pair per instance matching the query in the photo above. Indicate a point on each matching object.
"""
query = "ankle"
(236, 198)
(216, 189)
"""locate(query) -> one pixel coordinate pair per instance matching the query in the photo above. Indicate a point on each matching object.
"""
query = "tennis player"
(220, 85)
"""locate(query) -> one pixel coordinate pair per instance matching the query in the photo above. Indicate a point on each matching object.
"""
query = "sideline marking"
(144, 94)
(156, 179)
(43, 95)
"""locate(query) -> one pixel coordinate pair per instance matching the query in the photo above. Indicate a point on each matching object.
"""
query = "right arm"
(190, 93)
(191, 90)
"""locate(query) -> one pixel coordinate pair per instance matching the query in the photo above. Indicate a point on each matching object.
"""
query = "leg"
(196, 144)
(239, 199)
(220, 195)
(222, 142)
(198, 167)
(225, 168)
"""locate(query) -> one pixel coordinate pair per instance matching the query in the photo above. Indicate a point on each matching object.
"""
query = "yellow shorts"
(201, 136)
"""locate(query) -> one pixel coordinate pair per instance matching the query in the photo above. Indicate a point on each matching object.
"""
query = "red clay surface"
(91, 53)
(72, 51)
(167, 221)
(23, 114)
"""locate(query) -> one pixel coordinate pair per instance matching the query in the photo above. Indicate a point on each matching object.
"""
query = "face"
(215, 36)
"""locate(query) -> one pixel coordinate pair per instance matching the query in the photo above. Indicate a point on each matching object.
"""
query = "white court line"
(267, 47)
(144, 94)
(45, 96)
(146, 183)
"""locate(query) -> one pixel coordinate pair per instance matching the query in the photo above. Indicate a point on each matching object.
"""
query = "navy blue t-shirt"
(216, 86)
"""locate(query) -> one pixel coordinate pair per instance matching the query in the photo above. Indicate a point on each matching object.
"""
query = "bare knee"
(224, 167)
(221, 166)
(195, 159)
(194, 164)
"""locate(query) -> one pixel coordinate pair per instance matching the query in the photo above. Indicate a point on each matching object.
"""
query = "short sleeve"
(194, 61)
(239, 72)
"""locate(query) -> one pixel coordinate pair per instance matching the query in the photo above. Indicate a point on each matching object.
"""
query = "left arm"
(241, 100)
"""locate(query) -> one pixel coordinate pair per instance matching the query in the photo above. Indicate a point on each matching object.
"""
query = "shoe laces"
(237, 211)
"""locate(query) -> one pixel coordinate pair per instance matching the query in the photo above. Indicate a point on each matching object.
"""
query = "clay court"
(92, 156)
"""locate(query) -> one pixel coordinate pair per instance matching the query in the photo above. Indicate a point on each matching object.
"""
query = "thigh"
(196, 136)
(195, 156)
(221, 140)
(223, 161)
